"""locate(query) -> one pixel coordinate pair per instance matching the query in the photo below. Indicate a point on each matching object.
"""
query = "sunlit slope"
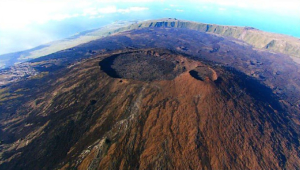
(259, 39)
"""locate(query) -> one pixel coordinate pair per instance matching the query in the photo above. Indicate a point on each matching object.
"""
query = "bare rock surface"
(154, 98)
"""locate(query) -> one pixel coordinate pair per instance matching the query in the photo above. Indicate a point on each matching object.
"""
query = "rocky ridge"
(259, 39)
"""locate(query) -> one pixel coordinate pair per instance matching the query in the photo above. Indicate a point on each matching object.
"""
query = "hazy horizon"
(27, 24)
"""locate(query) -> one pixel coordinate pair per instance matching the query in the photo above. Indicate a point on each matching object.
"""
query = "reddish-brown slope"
(191, 114)
(187, 123)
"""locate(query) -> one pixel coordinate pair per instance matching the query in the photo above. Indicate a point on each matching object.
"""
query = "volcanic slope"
(147, 99)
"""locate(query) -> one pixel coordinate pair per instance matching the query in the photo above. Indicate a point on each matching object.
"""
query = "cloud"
(110, 10)
(179, 10)
(128, 1)
(20, 13)
(16, 40)
(96, 16)
(96, 11)
(173, 5)
(33, 16)
(59, 17)
(132, 9)
(90, 11)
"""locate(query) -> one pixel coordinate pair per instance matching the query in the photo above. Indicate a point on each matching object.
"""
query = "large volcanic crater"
(154, 64)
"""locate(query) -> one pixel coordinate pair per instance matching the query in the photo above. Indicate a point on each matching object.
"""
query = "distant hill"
(259, 39)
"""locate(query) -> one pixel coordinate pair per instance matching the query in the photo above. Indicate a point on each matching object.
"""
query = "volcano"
(154, 98)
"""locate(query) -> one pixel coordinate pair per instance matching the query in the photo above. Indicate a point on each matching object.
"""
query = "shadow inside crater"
(106, 64)
(194, 74)
(141, 65)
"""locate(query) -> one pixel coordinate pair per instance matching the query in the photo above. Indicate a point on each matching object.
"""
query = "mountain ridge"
(262, 40)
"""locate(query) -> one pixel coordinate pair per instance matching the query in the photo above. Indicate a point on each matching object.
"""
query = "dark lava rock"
(175, 109)
(140, 65)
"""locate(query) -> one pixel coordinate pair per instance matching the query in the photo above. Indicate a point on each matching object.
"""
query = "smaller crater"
(107, 141)
(203, 73)
(92, 102)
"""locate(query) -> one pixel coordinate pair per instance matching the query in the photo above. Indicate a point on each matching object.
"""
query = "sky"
(25, 24)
